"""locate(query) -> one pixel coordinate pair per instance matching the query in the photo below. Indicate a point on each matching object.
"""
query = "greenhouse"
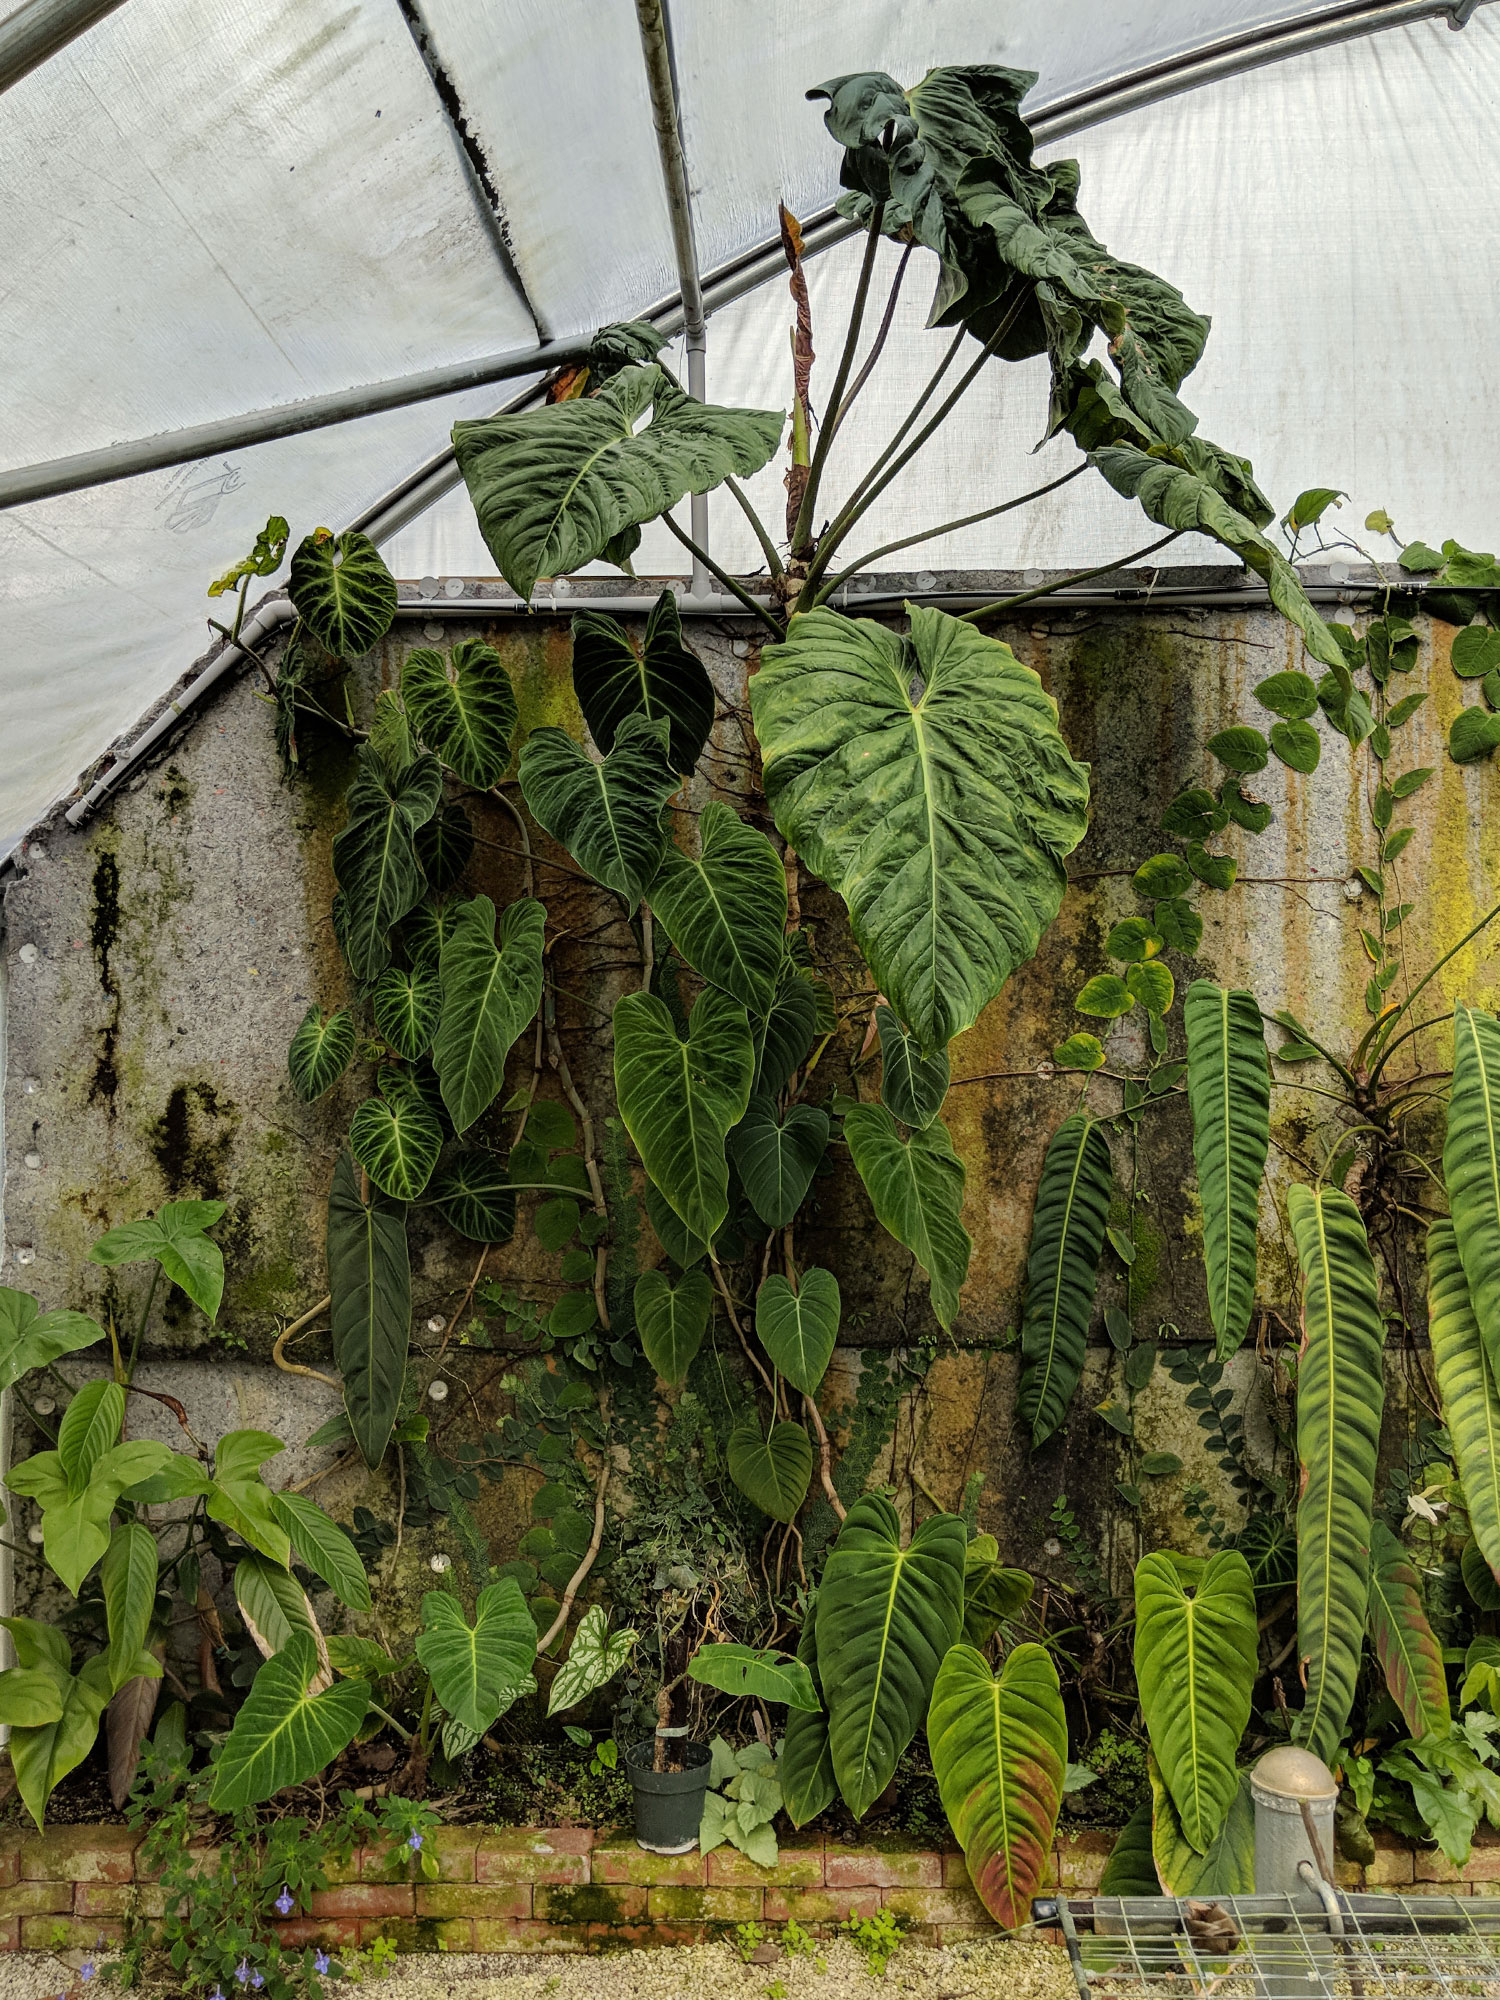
(749, 1000)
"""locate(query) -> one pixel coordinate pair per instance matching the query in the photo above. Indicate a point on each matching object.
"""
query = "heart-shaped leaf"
(320, 1052)
(406, 1005)
(765, 1676)
(672, 1320)
(319, 1542)
(680, 1100)
(607, 815)
(805, 1766)
(397, 1142)
(445, 847)
(283, 1734)
(784, 1035)
(490, 993)
(594, 1658)
(999, 1744)
(554, 487)
(30, 1339)
(1062, 1268)
(665, 679)
(472, 1666)
(798, 1329)
(917, 1188)
(992, 1593)
(776, 1158)
(369, 1279)
(941, 820)
(473, 1194)
(464, 709)
(773, 1471)
(1227, 1869)
(726, 910)
(344, 594)
(128, 1576)
(375, 857)
(912, 1085)
(175, 1238)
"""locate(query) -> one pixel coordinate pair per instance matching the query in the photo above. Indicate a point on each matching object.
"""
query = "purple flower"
(86, 1971)
(414, 1842)
(320, 1964)
(242, 1971)
(257, 1980)
(284, 1901)
(217, 1994)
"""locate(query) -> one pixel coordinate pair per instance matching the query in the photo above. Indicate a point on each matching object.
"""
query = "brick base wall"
(571, 1889)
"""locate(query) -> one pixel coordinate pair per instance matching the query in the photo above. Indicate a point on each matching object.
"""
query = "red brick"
(706, 1906)
(466, 1899)
(1432, 1865)
(453, 1846)
(798, 1866)
(364, 1899)
(80, 1854)
(1392, 1868)
(619, 1859)
(68, 1933)
(882, 1868)
(298, 1932)
(203, 1857)
(594, 1902)
(936, 1906)
(820, 1906)
(34, 1899)
(10, 1934)
(534, 1854)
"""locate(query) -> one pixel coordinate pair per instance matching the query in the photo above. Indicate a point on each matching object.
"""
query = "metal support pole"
(34, 33)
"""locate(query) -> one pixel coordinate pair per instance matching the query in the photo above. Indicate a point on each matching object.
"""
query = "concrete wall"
(160, 956)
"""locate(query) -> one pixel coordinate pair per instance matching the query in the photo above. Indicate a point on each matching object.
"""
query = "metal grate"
(1310, 1946)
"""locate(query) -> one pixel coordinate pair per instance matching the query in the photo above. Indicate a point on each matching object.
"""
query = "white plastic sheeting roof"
(213, 209)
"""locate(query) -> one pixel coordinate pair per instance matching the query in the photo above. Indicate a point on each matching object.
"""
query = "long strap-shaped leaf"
(1229, 1096)
(1067, 1235)
(1467, 1388)
(1409, 1654)
(999, 1746)
(1340, 1398)
(1471, 1166)
(1227, 1869)
(369, 1280)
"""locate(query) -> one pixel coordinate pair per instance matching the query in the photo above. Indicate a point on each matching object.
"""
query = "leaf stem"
(1372, 1034)
(757, 527)
(734, 589)
(1062, 582)
(875, 350)
(135, 1346)
(802, 527)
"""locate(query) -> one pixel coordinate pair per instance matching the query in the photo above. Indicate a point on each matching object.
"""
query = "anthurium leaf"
(725, 910)
(1340, 1397)
(798, 1329)
(553, 487)
(473, 1665)
(490, 993)
(369, 1279)
(397, 1142)
(681, 1099)
(1471, 1408)
(320, 1052)
(321, 1544)
(1227, 1869)
(1410, 1656)
(1471, 1166)
(992, 1593)
(594, 1658)
(1195, 1666)
(375, 856)
(783, 1036)
(912, 1084)
(240, 1497)
(885, 1618)
(1229, 1098)
(776, 1157)
(30, 1698)
(463, 707)
(90, 1425)
(916, 1187)
(176, 1239)
(406, 1005)
(275, 1608)
(941, 821)
(1062, 1267)
(1131, 1868)
(607, 815)
(128, 1577)
(774, 1471)
(766, 1675)
(999, 1744)
(283, 1734)
(445, 847)
(42, 1757)
(805, 1766)
(665, 680)
(343, 592)
(473, 1194)
(672, 1320)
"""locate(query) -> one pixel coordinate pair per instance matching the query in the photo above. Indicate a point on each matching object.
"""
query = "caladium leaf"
(319, 1542)
(798, 1328)
(344, 594)
(1062, 1268)
(175, 1238)
(1471, 1166)
(30, 1339)
(1227, 1869)
(999, 1744)
(284, 1734)
(665, 680)
(916, 1187)
(369, 1280)
(725, 910)
(1229, 1096)
(472, 1666)
(463, 707)
(941, 819)
(912, 1084)
(773, 1470)
(776, 1157)
(1409, 1654)
(554, 487)
(406, 1005)
(681, 1099)
(607, 815)
(320, 1052)
(1471, 1408)
(672, 1320)
(490, 993)
(375, 857)
(765, 1675)
(396, 1140)
(594, 1658)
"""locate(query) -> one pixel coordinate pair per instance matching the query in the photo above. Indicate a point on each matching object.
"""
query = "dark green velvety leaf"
(552, 487)
(406, 1005)
(1297, 744)
(916, 1187)
(283, 1735)
(344, 594)
(1216, 871)
(1475, 653)
(1191, 814)
(1229, 1096)
(473, 1194)
(776, 1157)
(1240, 748)
(912, 1085)
(784, 1035)
(681, 1099)
(397, 1143)
(1179, 923)
(463, 707)
(678, 1241)
(798, 1329)
(1251, 813)
(320, 1052)
(1473, 735)
(725, 910)
(1292, 695)
(375, 856)
(672, 1320)
(1130, 1869)
(805, 1766)
(607, 815)
(664, 680)
(992, 1593)
(774, 1471)
(445, 847)
(369, 1278)
(424, 931)
(1062, 1268)
(490, 993)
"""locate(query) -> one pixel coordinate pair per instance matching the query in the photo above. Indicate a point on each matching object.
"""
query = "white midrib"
(1326, 1553)
(1062, 1251)
(885, 1640)
(920, 737)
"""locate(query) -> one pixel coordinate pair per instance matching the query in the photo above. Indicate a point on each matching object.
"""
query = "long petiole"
(141, 1328)
(1327, 1054)
(1371, 1038)
(757, 527)
(1405, 1036)
(734, 589)
(876, 346)
(801, 529)
(1062, 582)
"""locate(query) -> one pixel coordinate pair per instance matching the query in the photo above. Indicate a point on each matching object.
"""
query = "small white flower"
(438, 1564)
(1423, 1509)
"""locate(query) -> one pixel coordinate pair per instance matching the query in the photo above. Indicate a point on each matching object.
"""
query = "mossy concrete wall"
(161, 956)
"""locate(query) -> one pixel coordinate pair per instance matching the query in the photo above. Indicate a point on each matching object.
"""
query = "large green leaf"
(942, 821)
(396, 1140)
(785, 1034)
(607, 815)
(464, 709)
(375, 856)
(999, 1744)
(554, 487)
(680, 1100)
(916, 1187)
(30, 1339)
(320, 1051)
(1131, 1867)
(1409, 1654)
(473, 1666)
(777, 1157)
(1471, 1166)
(1340, 1398)
(1229, 1096)
(672, 1320)
(490, 993)
(275, 1608)
(369, 1279)
(1062, 1267)
(594, 1658)
(912, 1085)
(885, 1618)
(445, 847)
(241, 1499)
(992, 1593)
(128, 1577)
(90, 1425)
(29, 1698)
(773, 1470)
(175, 1238)
(319, 1542)
(766, 1675)
(406, 1005)
(42, 1757)
(726, 910)
(283, 1735)
(1195, 1665)
(1227, 1869)
(805, 1766)
(343, 592)
(75, 1512)
(665, 679)
(473, 1194)
(1471, 1408)
(798, 1328)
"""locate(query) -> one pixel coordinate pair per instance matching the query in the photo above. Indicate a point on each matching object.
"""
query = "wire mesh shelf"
(1310, 1946)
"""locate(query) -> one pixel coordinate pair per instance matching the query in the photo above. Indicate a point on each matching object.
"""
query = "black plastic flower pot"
(668, 1804)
